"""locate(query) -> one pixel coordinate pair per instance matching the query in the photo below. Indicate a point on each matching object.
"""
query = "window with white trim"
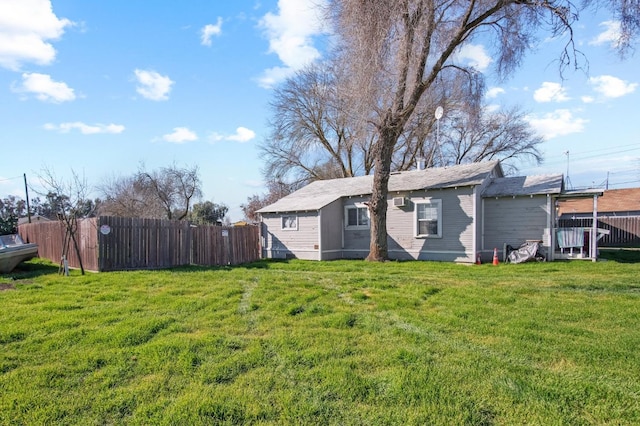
(356, 217)
(290, 223)
(428, 219)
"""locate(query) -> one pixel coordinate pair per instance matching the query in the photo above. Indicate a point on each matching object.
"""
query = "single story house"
(454, 213)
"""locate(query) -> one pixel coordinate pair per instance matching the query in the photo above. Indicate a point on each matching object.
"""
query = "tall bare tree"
(503, 135)
(174, 187)
(317, 133)
(311, 135)
(127, 196)
(167, 192)
(398, 49)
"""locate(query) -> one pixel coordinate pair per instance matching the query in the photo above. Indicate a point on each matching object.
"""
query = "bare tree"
(127, 196)
(174, 187)
(275, 190)
(69, 200)
(317, 132)
(504, 135)
(166, 192)
(311, 136)
(398, 49)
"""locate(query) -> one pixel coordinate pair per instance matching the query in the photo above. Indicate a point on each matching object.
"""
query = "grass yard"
(344, 342)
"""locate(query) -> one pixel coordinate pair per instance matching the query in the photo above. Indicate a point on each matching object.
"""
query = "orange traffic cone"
(495, 256)
(478, 260)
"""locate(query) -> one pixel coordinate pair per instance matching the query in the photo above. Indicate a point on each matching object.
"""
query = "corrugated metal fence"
(114, 243)
(624, 231)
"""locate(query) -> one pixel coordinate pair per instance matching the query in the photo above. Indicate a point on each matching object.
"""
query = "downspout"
(482, 227)
(263, 239)
(549, 225)
(320, 234)
(594, 231)
(474, 247)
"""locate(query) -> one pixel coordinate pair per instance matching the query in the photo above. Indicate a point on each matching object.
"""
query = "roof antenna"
(567, 181)
(438, 114)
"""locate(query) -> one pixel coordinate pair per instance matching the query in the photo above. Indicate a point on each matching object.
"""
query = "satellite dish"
(439, 112)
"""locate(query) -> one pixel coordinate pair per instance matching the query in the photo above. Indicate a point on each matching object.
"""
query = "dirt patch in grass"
(7, 286)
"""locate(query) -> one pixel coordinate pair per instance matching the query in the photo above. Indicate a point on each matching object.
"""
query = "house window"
(429, 218)
(290, 223)
(356, 217)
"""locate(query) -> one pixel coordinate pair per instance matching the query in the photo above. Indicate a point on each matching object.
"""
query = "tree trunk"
(378, 247)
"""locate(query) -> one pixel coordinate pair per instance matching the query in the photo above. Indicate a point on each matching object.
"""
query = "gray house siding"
(478, 248)
(356, 241)
(331, 231)
(301, 243)
(455, 244)
(513, 220)
(478, 210)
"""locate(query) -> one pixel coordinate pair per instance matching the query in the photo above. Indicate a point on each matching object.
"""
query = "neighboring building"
(448, 214)
(613, 203)
(34, 219)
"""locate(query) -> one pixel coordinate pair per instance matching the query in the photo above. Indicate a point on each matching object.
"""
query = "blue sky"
(103, 86)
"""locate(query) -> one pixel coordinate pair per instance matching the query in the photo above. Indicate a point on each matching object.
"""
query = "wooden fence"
(624, 230)
(50, 236)
(113, 243)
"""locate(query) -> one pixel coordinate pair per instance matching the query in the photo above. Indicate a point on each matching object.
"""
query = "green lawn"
(344, 342)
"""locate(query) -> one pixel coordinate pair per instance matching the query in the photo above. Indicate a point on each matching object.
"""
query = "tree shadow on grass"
(620, 255)
(258, 264)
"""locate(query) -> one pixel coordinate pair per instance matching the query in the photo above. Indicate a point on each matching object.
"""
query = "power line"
(624, 183)
(10, 178)
(583, 156)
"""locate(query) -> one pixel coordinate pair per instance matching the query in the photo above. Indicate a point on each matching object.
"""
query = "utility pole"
(26, 190)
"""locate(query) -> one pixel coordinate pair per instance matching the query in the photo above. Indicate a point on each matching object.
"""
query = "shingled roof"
(612, 201)
(323, 192)
(524, 185)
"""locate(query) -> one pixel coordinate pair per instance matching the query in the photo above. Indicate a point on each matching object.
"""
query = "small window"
(429, 219)
(356, 217)
(290, 223)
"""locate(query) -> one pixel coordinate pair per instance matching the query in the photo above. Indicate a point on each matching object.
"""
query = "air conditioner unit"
(398, 201)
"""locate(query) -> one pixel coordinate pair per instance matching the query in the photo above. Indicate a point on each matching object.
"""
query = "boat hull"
(11, 256)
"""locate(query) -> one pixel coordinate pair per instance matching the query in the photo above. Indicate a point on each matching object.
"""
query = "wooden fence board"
(145, 243)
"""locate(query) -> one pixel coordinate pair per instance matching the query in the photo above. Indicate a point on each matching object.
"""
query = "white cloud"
(290, 34)
(494, 92)
(209, 31)
(180, 135)
(152, 85)
(242, 135)
(272, 76)
(588, 99)
(474, 55)
(492, 108)
(612, 87)
(558, 123)
(610, 35)
(86, 129)
(550, 92)
(44, 88)
(26, 27)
